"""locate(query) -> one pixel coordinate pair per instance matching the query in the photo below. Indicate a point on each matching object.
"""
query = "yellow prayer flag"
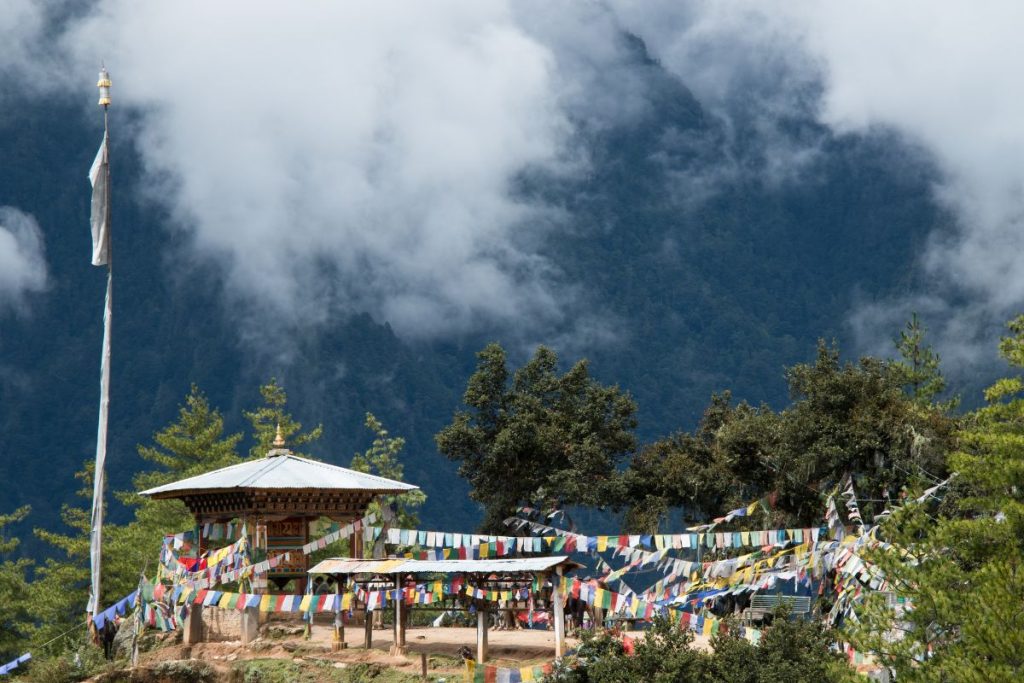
(745, 537)
(266, 604)
(306, 599)
(527, 674)
(602, 543)
(708, 623)
(346, 601)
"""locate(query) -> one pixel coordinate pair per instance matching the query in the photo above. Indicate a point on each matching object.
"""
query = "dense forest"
(537, 438)
(704, 363)
(686, 296)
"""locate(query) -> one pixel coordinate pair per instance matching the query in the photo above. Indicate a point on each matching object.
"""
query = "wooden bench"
(763, 605)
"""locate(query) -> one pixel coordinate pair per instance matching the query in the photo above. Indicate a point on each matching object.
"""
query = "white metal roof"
(350, 565)
(347, 565)
(287, 471)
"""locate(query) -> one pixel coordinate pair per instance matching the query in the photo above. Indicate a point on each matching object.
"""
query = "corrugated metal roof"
(282, 472)
(344, 565)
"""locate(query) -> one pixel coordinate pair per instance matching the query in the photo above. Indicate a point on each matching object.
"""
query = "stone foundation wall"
(221, 624)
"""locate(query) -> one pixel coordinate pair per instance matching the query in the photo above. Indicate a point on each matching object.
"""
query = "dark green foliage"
(537, 435)
(845, 418)
(382, 459)
(686, 264)
(963, 572)
(15, 608)
(919, 362)
(789, 652)
(271, 416)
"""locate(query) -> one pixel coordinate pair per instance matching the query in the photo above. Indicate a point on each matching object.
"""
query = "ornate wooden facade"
(278, 497)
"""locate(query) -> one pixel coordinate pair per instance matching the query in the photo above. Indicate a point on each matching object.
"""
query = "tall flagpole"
(99, 174)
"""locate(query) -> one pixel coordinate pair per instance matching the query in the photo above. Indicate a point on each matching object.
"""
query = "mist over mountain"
(364, 233)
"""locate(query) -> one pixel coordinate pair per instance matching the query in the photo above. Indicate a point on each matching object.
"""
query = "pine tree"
(60, 586)
(195, 443)
(15, 616)
(266, 419)
(382, 459)
(961, 567)
(920, 364)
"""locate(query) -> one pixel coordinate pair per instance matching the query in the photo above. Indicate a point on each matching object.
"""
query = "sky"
(336, 157)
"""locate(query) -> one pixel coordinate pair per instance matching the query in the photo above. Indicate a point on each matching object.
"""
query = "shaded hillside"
(691, 293)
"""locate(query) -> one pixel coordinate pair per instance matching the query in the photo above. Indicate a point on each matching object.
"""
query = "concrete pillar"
(558, 597)
(250, 625)
(193, 627)
(481, 633)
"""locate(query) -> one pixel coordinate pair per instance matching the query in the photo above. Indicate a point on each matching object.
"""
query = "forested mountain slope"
(697, 265)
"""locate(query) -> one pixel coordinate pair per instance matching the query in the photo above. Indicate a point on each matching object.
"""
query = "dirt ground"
(505, 648)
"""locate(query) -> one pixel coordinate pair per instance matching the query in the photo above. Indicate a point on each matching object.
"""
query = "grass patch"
(285, 671)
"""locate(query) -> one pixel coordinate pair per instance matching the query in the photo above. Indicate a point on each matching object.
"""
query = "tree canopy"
(961, 565)
(845, 417)
(383, 459)
(537, 435)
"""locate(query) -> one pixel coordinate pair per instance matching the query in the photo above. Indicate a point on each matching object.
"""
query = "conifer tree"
(920, 364)
(266, 419)
(382, 459)
(15, 615)
(537, 436)
(961, 568)
(195, 443)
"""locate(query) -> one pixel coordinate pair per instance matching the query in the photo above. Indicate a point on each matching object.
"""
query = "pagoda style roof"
(279, 471)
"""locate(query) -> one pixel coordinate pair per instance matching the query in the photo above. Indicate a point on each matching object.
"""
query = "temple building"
(278, 497)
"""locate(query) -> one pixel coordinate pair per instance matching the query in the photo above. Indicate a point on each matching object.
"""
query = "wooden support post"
(339, 622)
(403, 618)
(368, 628)
(398, 644)
(481, 634)
(423, 665)
(558, 597)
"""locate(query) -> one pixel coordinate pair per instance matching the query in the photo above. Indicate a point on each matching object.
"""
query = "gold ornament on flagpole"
(104, 85)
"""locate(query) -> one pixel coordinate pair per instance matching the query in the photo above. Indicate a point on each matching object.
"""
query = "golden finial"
(279, 438)
(104, 85)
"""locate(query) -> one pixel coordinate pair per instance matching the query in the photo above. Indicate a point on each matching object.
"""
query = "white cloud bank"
(22, 258)
(946, 75)
(332, 157)
(345, 156)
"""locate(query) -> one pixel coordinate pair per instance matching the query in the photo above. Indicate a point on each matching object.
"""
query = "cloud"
(22, 260)
(746, 65)
(942, 75)
(945, 76)
(337, 157)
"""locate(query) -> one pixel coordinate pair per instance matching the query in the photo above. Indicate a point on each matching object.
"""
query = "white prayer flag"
(99, 177)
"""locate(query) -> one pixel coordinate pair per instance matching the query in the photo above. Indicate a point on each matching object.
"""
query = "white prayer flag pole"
(99, 176)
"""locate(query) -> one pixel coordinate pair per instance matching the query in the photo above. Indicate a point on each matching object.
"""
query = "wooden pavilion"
(494, 573)
(278, 497)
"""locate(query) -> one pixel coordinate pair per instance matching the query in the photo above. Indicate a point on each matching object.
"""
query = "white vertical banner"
(99, 475)
(99, 217)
